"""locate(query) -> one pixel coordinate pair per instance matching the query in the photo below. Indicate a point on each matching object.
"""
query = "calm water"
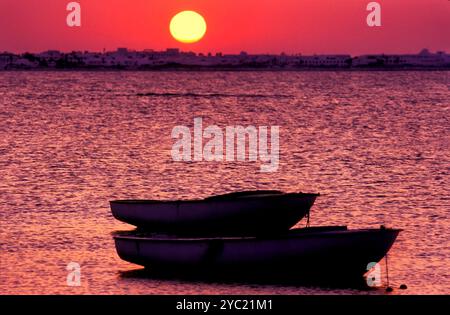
(376, 145)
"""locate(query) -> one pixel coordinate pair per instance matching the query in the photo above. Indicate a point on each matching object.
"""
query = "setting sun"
(188, 27)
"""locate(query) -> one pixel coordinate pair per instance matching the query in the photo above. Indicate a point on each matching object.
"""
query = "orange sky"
(256, 26)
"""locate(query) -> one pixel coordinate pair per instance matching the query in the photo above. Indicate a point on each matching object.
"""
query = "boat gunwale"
(220, 198)
(339, 232)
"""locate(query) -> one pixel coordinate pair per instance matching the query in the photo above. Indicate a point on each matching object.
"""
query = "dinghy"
(237, 214)
(324, 253)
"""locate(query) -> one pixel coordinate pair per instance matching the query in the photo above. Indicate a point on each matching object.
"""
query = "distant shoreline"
(176, 60)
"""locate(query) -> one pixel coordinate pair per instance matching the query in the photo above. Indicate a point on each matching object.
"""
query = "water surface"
(375, 144)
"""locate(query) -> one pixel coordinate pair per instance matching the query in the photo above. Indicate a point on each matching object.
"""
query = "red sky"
(256, 26)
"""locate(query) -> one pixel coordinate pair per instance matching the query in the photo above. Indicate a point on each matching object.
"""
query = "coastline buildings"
(424, 59)
(173, 58)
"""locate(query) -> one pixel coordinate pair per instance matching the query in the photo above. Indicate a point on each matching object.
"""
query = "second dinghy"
(325, 254)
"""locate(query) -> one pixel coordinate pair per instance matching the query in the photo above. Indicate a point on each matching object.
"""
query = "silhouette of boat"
(237, 214)
(321, 253)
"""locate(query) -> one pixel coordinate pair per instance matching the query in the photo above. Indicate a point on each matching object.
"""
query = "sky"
(255, 26)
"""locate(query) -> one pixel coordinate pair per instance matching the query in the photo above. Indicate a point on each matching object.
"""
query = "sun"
(188, 27)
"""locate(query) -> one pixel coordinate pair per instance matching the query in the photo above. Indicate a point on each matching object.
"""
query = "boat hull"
(252, 215)
(300, 254)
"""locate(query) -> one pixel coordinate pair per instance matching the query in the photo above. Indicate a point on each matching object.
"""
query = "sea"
(374, 144)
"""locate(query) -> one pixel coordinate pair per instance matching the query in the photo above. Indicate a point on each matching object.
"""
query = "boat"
(318, 253)
(237, 214)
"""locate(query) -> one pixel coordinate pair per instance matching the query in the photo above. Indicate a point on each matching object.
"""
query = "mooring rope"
(308, 217)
